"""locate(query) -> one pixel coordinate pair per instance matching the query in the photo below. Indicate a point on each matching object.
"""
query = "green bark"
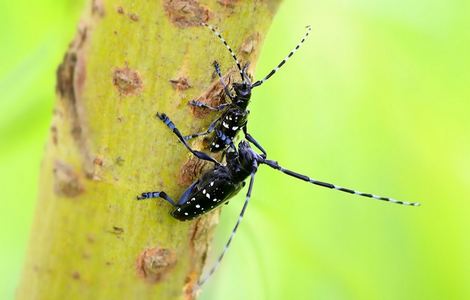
(129, 60)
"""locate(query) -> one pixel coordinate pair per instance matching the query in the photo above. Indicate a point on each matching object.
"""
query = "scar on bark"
(54, 134)
(71, 77)
(186, 13)
(117, 230)
(155, 263)
(128, 82)
(97, 8)
(134, 17)
(228, 3)
(76, 275)
(199, 242)
(250, 44)
(66, 180)
(180, 84)
(192, 170)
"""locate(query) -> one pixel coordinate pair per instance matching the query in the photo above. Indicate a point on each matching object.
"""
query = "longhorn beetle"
(235, 113)
(218, 185)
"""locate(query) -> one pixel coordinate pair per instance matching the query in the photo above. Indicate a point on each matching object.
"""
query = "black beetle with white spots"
(234, 114)
(219, 184)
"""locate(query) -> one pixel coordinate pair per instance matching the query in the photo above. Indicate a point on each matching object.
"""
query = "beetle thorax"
(242, 162)
(243, 94)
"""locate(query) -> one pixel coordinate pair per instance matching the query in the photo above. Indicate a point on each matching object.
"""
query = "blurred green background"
(378, 99)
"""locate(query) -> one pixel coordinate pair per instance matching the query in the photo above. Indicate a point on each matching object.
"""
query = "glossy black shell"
(210, 191)
(231, 121)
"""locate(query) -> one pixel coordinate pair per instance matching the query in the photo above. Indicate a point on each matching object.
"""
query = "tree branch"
(129, 60)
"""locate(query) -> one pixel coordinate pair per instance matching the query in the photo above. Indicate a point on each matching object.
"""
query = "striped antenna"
(214, 30)
(276, 166)
(234, 230)
(273, 71)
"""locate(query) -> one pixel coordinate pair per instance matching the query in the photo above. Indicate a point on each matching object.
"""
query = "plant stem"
(129, 60)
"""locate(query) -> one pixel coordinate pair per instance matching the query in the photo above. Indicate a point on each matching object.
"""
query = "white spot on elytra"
(225, 125)
(234, 127)
(192, 199)
(204, 191)
(212, 183)
(179, 208)
(185, 213)
(217, 145)
(208, 195)
(197, 206)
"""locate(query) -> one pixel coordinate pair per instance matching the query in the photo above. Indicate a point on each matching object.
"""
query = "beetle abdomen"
(206, 196)
(229, 125)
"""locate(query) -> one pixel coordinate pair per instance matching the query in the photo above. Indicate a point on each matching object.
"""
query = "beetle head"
(246, 156)
(243, 89)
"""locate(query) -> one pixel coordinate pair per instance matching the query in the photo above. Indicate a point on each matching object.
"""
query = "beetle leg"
(185, 197)
(221, 78)
(201, 155)
(209, 130)
(253, 141)
(150, 195)
(197, 103)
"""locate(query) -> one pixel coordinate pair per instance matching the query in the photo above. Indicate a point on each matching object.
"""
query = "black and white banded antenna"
(273, 71)
(229, 241)
(273, 164)
(276, 166)
(217, 33)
